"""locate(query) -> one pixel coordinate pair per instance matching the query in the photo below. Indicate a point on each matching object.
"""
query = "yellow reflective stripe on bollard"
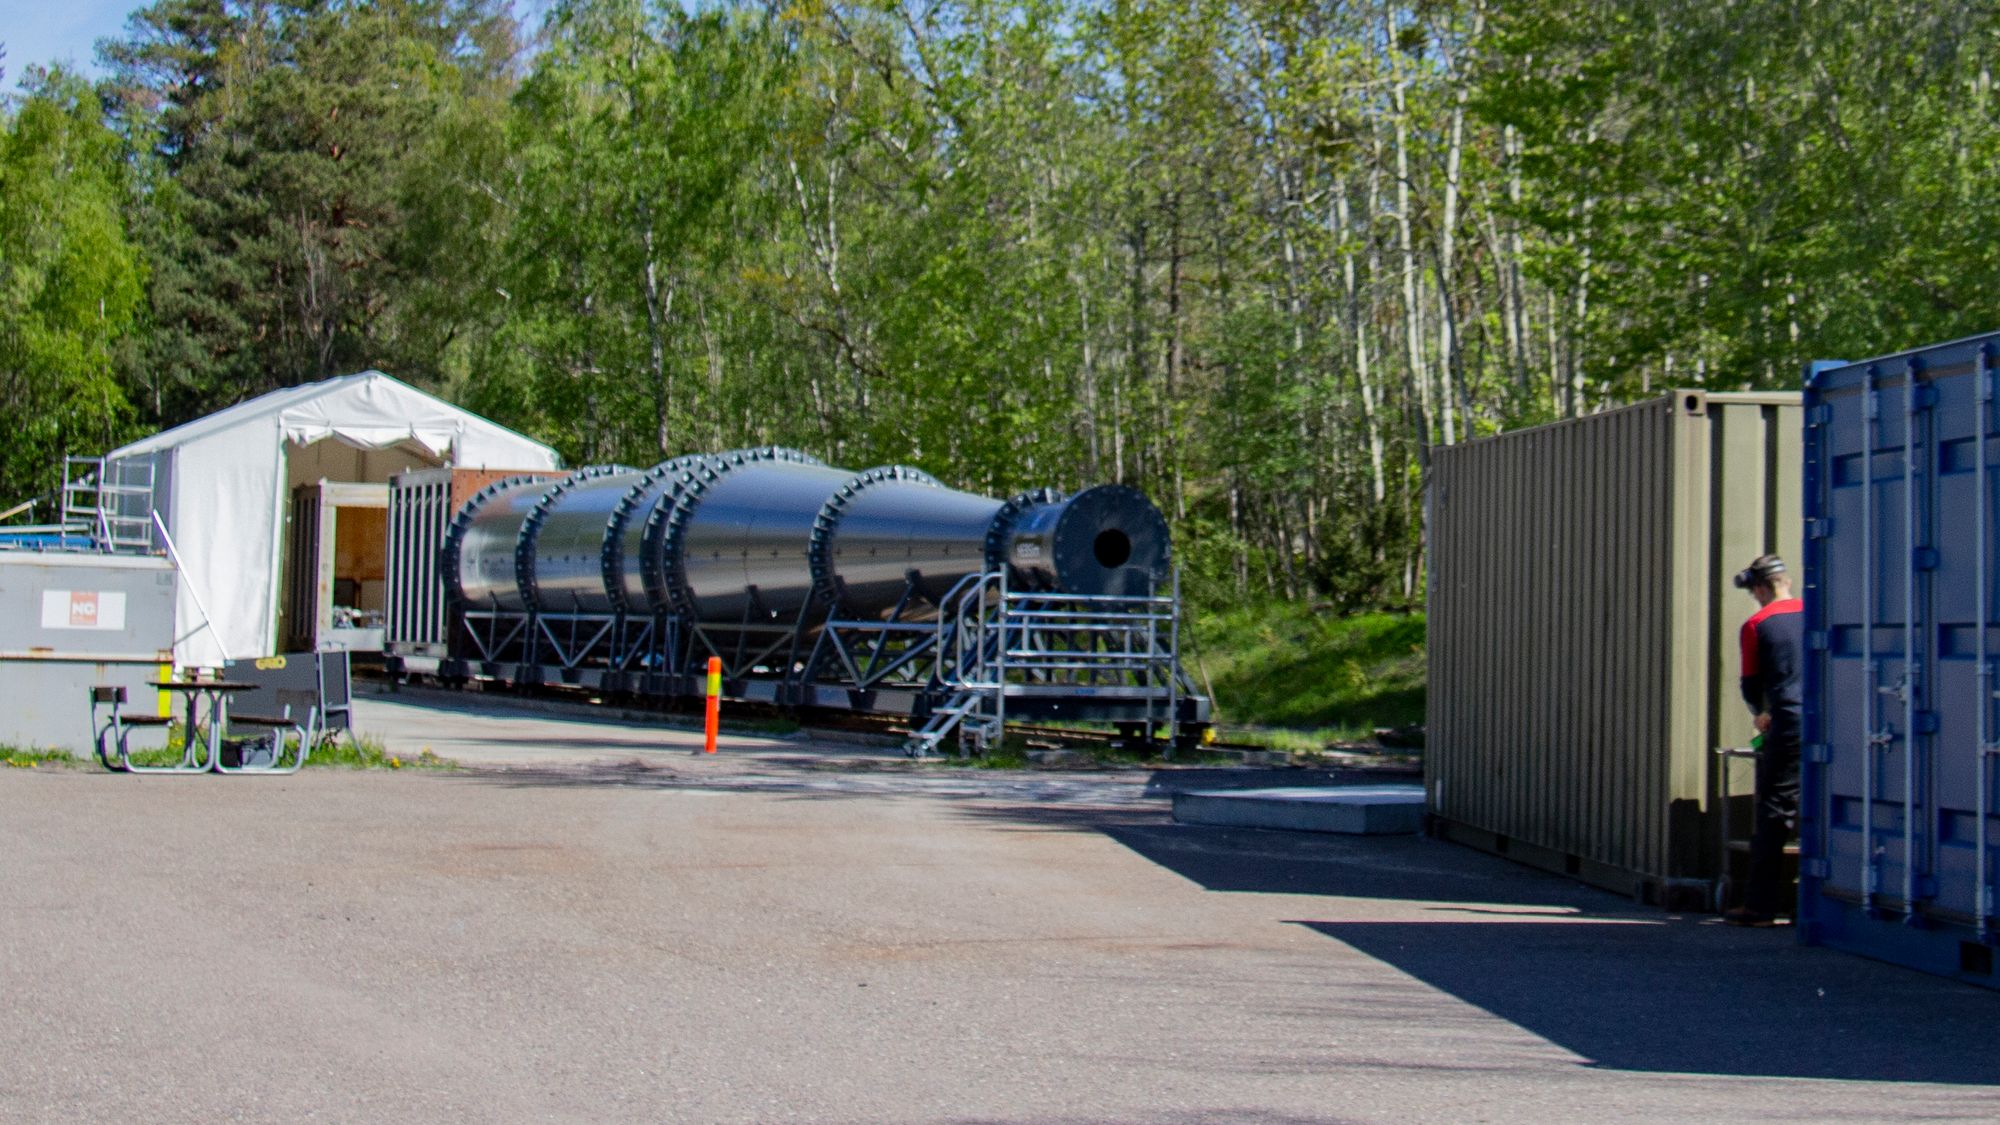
(713, 718)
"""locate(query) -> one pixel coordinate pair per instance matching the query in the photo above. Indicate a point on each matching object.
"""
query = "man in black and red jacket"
(1773, 644)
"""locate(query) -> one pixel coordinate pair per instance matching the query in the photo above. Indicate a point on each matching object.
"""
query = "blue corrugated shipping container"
(1898, 829)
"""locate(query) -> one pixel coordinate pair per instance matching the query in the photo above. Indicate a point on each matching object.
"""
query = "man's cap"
(1762, 569)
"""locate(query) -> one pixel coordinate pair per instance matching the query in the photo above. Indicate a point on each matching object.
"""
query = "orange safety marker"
(714, 702)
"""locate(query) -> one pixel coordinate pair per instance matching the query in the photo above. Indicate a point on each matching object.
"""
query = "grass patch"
(1330, 679)
(1297, 741)
(349, 751)
(28, 758)
(361, 752)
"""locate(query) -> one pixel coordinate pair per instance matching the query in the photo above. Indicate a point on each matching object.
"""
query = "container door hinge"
(1924, 558)
(1819, 752)
(1819, 415)
(1819, 640)
(1816, 868)
(1819, 529)
(1927, 722)
(1923, 396)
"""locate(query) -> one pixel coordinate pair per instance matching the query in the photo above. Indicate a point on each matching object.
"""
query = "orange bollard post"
(714, 702)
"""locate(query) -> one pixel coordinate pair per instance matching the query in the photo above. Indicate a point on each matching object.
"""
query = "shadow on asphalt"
(1626, 987)
(1259, 861)
(507, 705)
(813, 776)
(798, 779)
(1682, 996)
(647, 745)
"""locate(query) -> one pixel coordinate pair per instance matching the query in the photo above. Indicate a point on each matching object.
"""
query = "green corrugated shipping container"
(1582, 633)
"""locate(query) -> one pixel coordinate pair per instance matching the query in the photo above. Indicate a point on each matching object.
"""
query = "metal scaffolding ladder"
(111, 504)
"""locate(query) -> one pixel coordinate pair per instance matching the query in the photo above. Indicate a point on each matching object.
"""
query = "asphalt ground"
(630, 932)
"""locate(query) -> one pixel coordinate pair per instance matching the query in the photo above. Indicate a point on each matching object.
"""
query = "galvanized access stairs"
(994, 644)
(969, 711)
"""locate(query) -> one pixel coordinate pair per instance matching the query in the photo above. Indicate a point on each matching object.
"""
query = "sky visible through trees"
(1256, 257)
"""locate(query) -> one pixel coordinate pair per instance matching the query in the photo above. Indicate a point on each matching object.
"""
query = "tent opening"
(336, 549)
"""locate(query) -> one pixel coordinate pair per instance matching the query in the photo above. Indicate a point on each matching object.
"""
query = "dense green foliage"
(1255, 256)
(70, 281)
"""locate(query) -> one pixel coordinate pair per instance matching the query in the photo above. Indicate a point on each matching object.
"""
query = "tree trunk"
(712, 351)
(1577, 375)
(1518, 329)
(1136, 324)
(1167, 440)
(1405, 245)
(1094, 445)
(1343, 223)
(659, 306)
(1447, 261)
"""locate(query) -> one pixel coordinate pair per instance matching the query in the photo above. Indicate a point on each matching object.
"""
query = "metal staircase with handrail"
(1051, 651)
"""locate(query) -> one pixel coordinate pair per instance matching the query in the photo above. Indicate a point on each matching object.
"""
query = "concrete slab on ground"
(1358, 810)
(1167, 782)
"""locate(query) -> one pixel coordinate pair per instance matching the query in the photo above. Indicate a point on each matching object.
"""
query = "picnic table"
(206, 743)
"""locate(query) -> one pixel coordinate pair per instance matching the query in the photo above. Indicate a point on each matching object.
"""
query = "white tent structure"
(221, 485)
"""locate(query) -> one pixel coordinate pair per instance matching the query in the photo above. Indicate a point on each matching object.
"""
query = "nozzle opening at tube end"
(1107, 540)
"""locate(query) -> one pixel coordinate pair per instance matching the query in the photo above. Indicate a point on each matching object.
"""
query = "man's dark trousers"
(1777, 817)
